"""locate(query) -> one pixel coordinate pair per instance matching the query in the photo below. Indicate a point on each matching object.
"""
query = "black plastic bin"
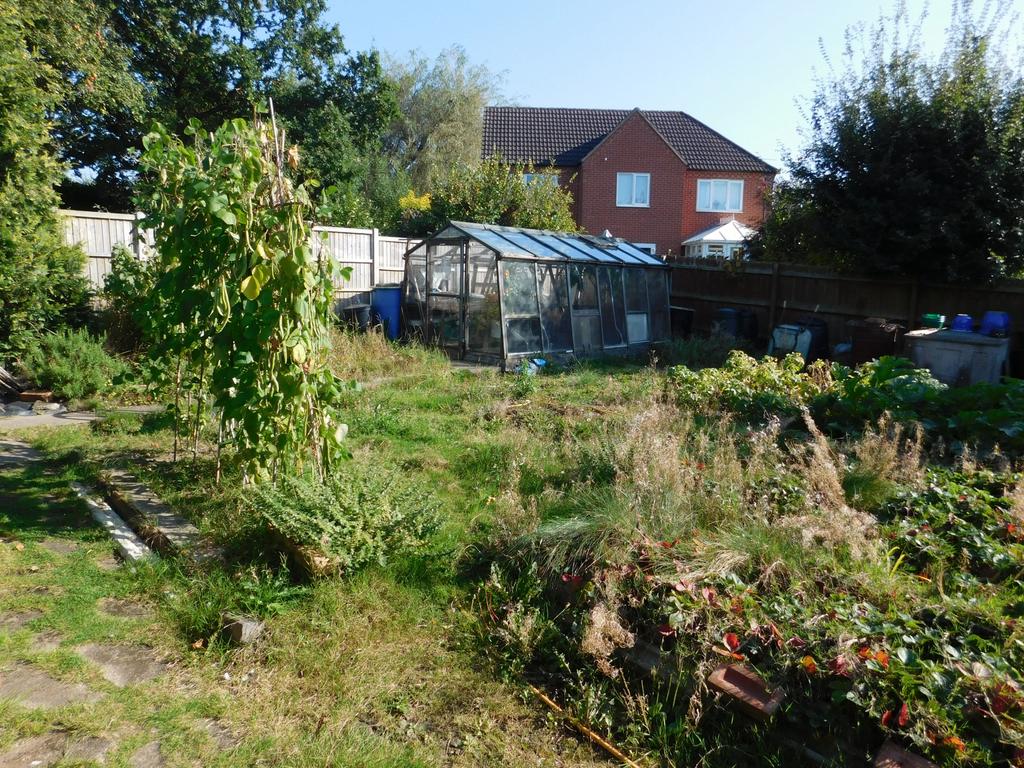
(739, 323)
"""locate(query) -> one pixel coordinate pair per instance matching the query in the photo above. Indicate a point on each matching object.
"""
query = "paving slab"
(123, 664)
(15, 620)
(34, 689)
(90, 749)
(59, 546)
(147, 756)
(220, 735)
(14, 453)
(44, 642)
(108, 563)
(35, 751)
(126, 609)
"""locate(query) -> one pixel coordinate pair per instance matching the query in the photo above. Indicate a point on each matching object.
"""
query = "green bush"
(72, 364)
(125, 292)
(359, 516)
(697, 351)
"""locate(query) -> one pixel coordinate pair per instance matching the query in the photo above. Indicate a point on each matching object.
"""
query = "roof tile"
(561, 136)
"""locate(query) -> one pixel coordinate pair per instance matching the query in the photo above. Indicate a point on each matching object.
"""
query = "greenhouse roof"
(520, 243)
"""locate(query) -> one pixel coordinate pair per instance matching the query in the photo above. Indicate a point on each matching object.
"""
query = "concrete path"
(11, 423)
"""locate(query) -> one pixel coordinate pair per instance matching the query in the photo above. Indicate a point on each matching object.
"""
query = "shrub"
(697, 351)
(360, 515)
(72, 364)
(125, 292)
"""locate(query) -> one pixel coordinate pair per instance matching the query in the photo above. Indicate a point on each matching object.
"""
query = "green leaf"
(250, 288)
(226, 216)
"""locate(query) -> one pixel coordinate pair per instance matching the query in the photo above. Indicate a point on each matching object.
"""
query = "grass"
(589, 471)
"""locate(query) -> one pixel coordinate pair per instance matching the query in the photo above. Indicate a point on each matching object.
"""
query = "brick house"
(651, 177)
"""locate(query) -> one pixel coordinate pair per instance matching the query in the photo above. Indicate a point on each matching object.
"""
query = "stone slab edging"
(152, 519)
(131, 547)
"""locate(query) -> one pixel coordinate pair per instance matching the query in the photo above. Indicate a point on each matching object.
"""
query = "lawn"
(592, 519)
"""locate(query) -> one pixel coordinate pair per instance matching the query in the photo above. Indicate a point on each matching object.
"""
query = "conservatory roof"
(729, 232)
(520, 243)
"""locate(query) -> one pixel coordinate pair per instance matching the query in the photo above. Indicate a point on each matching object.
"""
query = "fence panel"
(98, 233)
(373, 258)
(786, 292)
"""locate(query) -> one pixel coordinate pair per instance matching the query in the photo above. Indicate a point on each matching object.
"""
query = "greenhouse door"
(444, 299)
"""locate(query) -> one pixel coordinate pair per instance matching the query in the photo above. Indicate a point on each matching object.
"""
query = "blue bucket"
(386, 303)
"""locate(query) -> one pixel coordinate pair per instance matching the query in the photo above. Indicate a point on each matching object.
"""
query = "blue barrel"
(386, 302)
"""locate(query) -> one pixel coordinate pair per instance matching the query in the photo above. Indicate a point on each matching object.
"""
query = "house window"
(651, 248)
(541, 178)
(633, 190)
(719, 195)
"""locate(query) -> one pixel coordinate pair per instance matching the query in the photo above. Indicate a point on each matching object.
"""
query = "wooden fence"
(374, 258)
(783, 293)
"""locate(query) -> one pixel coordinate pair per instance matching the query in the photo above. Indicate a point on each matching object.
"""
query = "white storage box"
(958, 358)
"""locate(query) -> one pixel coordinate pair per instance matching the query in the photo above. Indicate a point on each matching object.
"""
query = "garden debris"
(596, 738)
(36, 395)
(746, 688)
(241, 630)
(891, 755)
(128, 544)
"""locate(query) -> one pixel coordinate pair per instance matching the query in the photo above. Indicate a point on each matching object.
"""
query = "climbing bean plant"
(240, 312)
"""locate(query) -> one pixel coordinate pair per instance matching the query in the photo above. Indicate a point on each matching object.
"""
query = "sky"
(743, 67)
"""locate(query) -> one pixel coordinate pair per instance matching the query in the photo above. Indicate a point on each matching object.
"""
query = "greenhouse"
(498, 294)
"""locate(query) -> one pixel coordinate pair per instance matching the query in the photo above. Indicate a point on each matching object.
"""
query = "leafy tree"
(440, 121)
(493, 192)
(913, 166)
(41, 281)
(213, 60)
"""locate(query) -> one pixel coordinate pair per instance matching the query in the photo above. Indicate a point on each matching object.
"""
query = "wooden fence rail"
(374, 258)
(784, 293)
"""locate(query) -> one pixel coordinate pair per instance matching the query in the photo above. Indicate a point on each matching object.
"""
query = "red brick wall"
(754, 209)
(633, 147)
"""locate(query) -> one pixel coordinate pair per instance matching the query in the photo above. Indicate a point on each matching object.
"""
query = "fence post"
(374, 257)
(774, 300)
(912, 309)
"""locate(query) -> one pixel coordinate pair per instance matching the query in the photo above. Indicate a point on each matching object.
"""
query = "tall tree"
(913, 165)
(40, 278)
(440, 121)
(217, 59)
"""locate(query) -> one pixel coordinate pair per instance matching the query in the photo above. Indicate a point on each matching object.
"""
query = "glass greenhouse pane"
(613, 313)
(483, 311)
(562, 247)
(444, 268)
(584, 287)
(519, 289)
(494, 240)
(555, 321)
(532, 245)
(658, 294)
(636, 290)
(523, 334)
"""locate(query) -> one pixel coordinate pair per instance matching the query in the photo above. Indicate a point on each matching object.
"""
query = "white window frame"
(726, 209)
(634, 175)
(537, 176)
(651, 248)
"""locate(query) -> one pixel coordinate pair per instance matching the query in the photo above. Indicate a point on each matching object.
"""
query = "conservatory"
(498, 294)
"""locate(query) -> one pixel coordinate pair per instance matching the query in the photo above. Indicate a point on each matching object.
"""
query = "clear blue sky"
(741, 66)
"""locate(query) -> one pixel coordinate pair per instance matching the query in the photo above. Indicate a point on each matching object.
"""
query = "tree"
(493, 192)
(913, 166)
(213, 60)
(41, 280)
(440, 119)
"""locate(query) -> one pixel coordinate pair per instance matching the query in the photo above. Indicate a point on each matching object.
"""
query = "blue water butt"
(386, 303)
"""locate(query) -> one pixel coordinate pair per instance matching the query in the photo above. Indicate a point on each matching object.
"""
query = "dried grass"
(603, 635)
